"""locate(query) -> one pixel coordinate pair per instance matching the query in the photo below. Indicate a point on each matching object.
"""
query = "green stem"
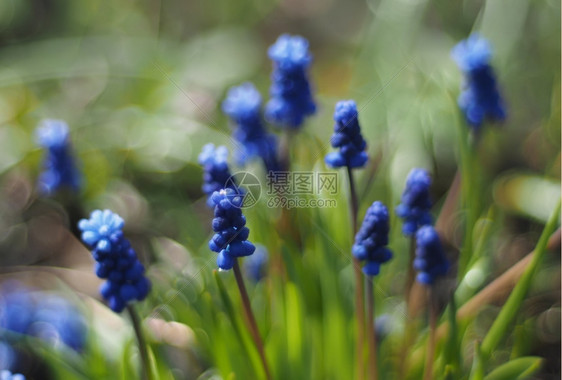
(477, 370)
(452, 353)
(371, 334)
(250, 319)
(359, 291)
(411, 274)
(430, 355)
(145, 361)
(469, 185)
(285, 150)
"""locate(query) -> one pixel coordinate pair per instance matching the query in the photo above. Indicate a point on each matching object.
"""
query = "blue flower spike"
(480, 99)
(243, 106)
(415, 203)
(430, 261)
(7, 375)
(44, 315)
(291, 97)
(216, 173)
(347, 137)
(116, 260)
(372, 239)
(59, 168)
(229, 224)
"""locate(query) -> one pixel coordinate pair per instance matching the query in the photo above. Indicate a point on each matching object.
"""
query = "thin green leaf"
(236, 325)
(517, 369)
(511, 307)
(477, 370)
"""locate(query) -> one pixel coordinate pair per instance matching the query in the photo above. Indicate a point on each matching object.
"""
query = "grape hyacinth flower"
(416, 203)
(57, 320)
(480, 98)
(291, 97)
(59, 167)
(116, 260)
(231, 234)
(372, 238)
(242, 105)
(43, 315)
(7, 375)
(430, 259)
(347, 137)
(216, 174)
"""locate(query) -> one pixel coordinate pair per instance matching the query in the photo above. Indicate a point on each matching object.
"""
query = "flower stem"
(411, 274)
(431, 342)
(285, 150)
(250, 319)
(137, 326)
(446, 221)
(359, 291)
(469, 189)
(371, 334)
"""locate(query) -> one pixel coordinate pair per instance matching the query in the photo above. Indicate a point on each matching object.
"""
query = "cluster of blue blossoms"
(231, 234)
(116, 260)
(59, 167)
(291, 97)
(7, 375)
(415, 203)
(415, 208)
(347, 137)
(430, 259)
(41, 314)
(216, 174)
(480, 98)
(242, 105)
(372, 238)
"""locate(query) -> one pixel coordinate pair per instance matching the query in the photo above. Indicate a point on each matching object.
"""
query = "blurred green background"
(140, 84)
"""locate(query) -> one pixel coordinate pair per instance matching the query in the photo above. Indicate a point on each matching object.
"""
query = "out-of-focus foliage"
(140, 85)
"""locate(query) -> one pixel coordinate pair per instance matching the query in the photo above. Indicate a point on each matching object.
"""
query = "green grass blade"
(511, 307)
(477, 370)
(517, 369)
(452, 352)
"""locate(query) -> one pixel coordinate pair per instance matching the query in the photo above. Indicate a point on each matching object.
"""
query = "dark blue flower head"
(216, 174)
(255, 265)
(116, 260)
(46, 316)
(416, 203)
(7, 375)
(347, 137)
(430, 261)
(231, 234)
(242, 105)
(480, 98)
(59, 166)
(372, 238)
(291, 97)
